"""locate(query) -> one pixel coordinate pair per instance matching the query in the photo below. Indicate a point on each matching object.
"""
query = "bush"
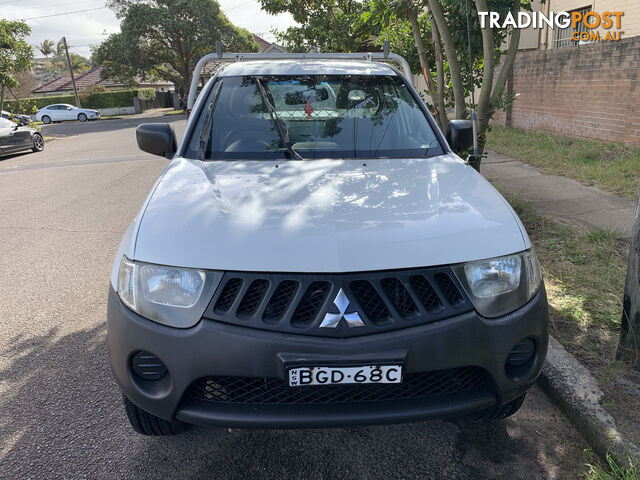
(147, 94)
(88, 99)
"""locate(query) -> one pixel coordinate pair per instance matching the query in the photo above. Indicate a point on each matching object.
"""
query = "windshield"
(320, 116)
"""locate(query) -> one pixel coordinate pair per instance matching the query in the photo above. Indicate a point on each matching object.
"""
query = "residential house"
(579, 88)
(63, 84)
(546, 38)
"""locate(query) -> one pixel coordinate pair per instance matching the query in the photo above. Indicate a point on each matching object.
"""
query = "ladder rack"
(239, 57)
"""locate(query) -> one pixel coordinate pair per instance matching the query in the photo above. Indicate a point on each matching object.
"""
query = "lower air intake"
(267, 390)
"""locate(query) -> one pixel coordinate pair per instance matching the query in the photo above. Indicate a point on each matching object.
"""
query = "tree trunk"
(629, 346)
(2, 98)
(186, 82)
(417, 37)
(488, 52)
(439, 100)
(450, 50)
(507, 65)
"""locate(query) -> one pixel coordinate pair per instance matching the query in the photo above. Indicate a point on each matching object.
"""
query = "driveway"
(62, 216)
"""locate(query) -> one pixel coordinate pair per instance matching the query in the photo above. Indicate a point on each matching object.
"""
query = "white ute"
(316, 254)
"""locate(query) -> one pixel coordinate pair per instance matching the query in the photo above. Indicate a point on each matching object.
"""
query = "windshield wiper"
(208, 123)
(284, 134)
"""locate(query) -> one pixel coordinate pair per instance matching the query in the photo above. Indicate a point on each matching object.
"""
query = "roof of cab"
(306, 67)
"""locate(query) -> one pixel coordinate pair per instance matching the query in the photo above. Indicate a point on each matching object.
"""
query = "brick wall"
(590, 91)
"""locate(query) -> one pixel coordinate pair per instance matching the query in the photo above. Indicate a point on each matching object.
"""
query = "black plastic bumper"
(212, 348)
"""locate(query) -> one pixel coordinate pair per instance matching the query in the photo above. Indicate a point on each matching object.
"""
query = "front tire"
(148, 424)
(82, 117)
(498, 413)
(46, 119)
(38, 142)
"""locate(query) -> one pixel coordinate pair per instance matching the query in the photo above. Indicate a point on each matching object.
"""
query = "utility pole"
(629, 345)
(73, 79)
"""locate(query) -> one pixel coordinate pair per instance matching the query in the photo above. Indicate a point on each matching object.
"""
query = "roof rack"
(239, 57)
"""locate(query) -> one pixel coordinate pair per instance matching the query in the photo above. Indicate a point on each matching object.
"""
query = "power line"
(238, 6)
(65, 13)
(43, 6)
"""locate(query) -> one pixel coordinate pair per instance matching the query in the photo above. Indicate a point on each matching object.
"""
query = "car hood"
(324, 215)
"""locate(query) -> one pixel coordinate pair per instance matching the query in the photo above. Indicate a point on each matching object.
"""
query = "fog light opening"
(147, 366)
(521, 358)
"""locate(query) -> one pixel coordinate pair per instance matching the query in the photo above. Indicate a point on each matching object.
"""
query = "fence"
(589, 91)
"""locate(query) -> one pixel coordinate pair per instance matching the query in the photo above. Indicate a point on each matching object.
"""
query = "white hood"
(324, 215)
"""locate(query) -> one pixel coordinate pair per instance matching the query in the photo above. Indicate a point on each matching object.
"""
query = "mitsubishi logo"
(331, 320)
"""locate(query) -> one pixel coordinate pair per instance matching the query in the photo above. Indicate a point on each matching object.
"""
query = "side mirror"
(68, 108)
(459, 135)
(157, 139)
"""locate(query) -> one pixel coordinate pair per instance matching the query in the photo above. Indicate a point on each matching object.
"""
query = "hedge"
(119, 98)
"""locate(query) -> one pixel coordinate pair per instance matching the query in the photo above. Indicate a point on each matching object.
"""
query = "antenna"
(474, 119)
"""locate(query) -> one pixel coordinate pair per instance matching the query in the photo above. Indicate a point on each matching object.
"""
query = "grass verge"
(584, 271)
(613, 167)
(611, 471)
(175, 112)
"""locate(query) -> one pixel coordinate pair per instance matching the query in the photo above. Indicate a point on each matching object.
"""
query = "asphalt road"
(62, 214)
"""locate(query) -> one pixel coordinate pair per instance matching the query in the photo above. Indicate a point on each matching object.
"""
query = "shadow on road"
(62, 418)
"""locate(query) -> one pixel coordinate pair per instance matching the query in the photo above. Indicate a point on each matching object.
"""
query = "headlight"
(173, 296)
(497, 286)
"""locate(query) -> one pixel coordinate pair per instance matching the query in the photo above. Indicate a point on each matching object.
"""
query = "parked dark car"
(16, 117)
(15, 138)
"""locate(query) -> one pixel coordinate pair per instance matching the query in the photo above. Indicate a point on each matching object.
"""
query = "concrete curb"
(572, 387)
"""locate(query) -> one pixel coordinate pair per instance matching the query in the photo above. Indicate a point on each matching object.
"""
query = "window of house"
(562, 36)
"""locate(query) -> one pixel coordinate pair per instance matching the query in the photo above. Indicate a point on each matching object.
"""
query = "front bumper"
(215, 349)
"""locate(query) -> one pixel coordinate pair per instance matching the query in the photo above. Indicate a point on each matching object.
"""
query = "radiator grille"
(267, 390)
(310, 303)
(298, 303)
(371, 302)
(280, 300)
(228, 295)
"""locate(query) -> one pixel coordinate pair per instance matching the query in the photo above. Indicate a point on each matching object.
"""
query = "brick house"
(578, 89)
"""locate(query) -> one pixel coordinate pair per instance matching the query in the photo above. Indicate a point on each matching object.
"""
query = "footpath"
(564, 378)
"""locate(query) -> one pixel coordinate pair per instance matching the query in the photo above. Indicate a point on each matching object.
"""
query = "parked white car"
(62, 111)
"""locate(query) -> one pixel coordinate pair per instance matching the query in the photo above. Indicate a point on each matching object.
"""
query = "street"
(62, 215)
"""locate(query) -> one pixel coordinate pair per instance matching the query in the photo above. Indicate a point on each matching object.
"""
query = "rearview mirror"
(157, 139)
(459, 135)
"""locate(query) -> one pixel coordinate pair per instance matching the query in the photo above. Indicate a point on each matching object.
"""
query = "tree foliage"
(165, 39)
(430, 34)
(46, 47)
(331, 25)
(56, 66)
(16, 55)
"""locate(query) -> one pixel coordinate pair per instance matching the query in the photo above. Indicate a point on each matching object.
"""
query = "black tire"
(148, 424)
(498, 413)
(507, 409)
(46, 119)
(511, 408)
(38, 142)
(82, 117)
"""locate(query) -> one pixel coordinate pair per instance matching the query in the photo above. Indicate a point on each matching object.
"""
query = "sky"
(91, 27)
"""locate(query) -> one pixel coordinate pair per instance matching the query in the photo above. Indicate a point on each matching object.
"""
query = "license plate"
(304, 376)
